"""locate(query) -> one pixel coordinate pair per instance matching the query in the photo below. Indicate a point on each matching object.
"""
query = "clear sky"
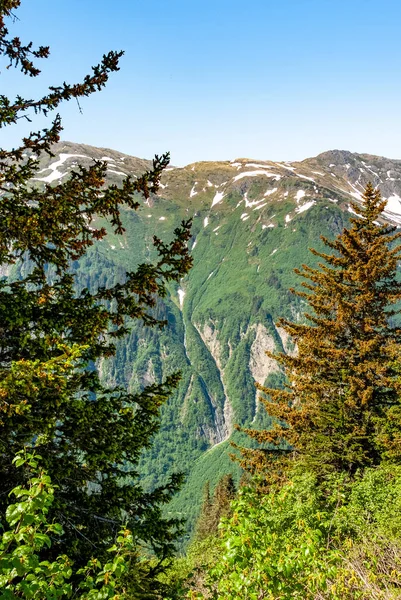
(220, 79)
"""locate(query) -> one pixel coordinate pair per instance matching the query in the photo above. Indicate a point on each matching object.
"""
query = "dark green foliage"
(91, 436)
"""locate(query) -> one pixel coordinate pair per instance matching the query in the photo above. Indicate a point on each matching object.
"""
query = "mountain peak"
(338, 157)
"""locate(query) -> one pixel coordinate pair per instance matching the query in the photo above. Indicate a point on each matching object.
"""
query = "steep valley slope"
(253, 222)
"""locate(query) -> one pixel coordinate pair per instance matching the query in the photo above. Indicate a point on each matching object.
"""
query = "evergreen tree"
(341, 409)
(51, 333)
(202, 529)
(223, 495)
(213, 509)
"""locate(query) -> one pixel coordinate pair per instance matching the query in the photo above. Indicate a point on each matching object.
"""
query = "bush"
(28, 534)
(303, 541)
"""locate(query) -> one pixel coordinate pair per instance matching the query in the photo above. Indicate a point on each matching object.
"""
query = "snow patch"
(162, 219)
(285, 166)
(117, 172)
(192, 192)
(270, 192)
(304, 177)
(260, 206)
(394, 204)
(217, 198)
(64, 157)
(205, 221)
(274, 252)
(287, 218)
(250, 203)
(258, 165)
(181, 295)
(306, 206)
(255, 174)
(299, 195)
(356, 194)
(52, 177)
(55, 174)
(107, 158)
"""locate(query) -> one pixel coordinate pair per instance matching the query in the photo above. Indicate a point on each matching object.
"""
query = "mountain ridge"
(349, 184)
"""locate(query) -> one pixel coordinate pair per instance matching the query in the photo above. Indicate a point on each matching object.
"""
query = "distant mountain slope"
(253, 221)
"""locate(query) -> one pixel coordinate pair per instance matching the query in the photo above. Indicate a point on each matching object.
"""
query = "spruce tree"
(202, 528)
(51, 333)
(341, 409)
(213, 509)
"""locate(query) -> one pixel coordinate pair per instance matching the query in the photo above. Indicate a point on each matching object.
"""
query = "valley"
(253, 222)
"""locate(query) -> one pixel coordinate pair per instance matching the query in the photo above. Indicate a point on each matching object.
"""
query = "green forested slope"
(252, 225)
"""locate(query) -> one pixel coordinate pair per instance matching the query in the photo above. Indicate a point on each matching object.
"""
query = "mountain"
(253, 222)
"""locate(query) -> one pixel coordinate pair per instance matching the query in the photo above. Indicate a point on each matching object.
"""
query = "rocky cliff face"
(253, 222)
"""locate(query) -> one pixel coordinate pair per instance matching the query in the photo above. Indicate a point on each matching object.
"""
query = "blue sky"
(216, 80)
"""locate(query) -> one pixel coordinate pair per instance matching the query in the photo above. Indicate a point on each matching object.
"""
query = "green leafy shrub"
(28, 534)
(303, 541)
(274, 545)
